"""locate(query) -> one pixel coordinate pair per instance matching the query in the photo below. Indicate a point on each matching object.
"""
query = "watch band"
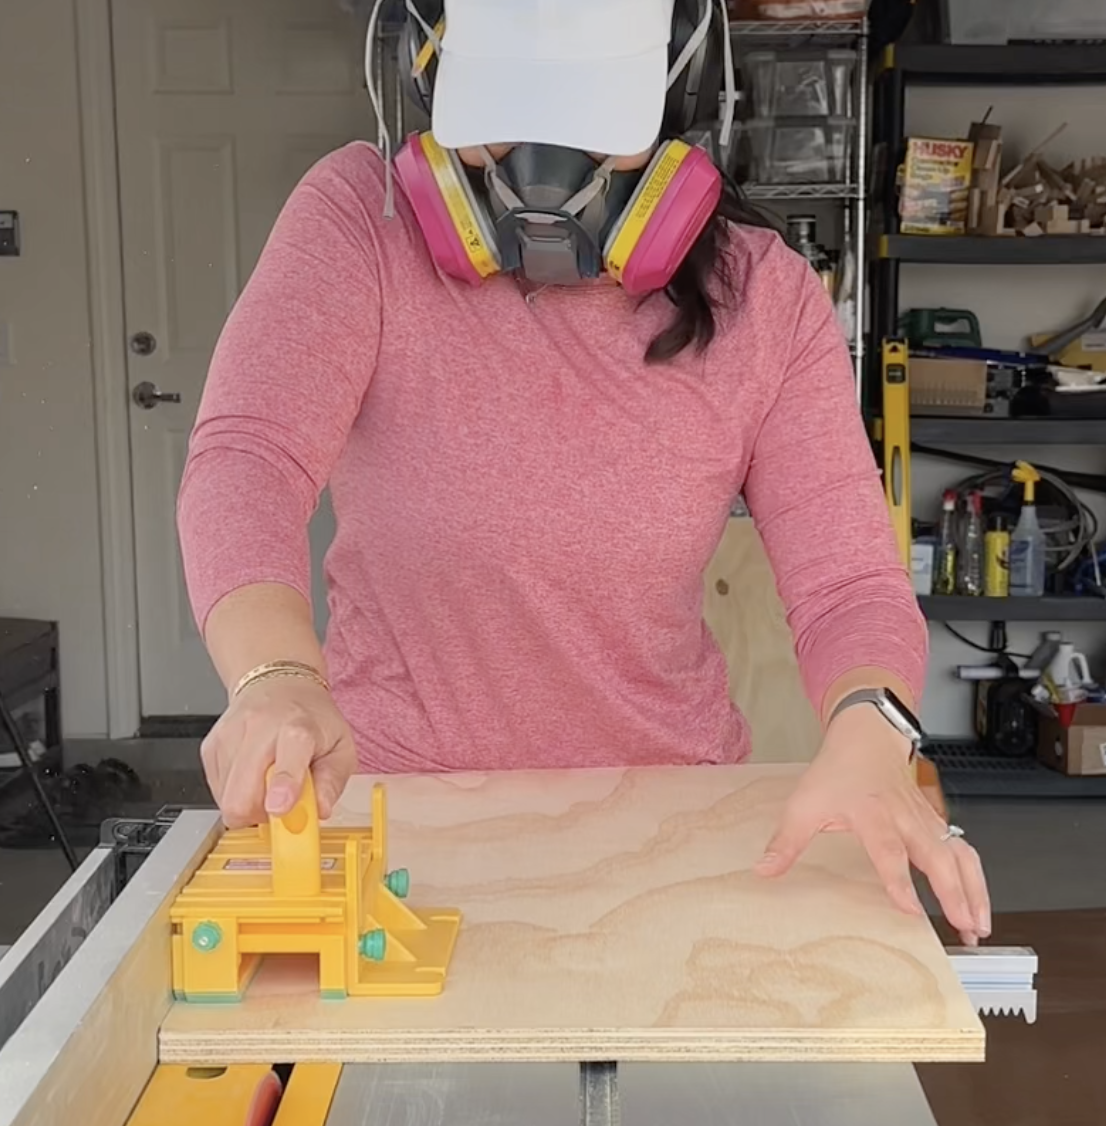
(897, 714)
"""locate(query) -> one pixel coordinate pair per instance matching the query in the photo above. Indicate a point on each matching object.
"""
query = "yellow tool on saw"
(291, 887)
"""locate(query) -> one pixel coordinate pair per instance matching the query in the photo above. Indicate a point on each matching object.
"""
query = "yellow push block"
(293, 887)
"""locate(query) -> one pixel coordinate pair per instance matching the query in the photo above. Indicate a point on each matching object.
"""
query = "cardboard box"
(947, 388)
(1079, 749)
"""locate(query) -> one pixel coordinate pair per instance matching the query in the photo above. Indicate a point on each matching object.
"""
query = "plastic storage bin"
(803, 84)
(800, 150)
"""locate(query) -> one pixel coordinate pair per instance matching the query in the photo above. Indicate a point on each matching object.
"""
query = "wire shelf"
(797, 29)
(800, 191)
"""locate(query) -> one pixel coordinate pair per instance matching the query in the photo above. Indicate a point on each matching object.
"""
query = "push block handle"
(377, 847)
(296, 850)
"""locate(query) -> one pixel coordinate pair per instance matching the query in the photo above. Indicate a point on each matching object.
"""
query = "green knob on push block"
(206, 936)
(372, 945)
(398, 882)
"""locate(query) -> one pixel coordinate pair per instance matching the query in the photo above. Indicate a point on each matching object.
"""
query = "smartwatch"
(897, 714)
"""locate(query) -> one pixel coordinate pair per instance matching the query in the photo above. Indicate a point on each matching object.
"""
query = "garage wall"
(50, 553)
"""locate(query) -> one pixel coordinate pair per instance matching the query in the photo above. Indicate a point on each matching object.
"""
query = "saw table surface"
(614, 914)
(647, 1095)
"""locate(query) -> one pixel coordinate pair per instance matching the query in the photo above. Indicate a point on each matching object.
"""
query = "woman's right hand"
(291, 723)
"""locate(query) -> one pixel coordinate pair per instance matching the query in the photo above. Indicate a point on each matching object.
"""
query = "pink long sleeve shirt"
(524, 507)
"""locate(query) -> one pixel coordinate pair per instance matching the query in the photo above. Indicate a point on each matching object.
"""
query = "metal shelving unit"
(1001, 250)
(853, 195)
(964, 768)
(985, 431)
(904, 65)
(798, 32)
(1017, 64)
(801, 191)
(1051, 608)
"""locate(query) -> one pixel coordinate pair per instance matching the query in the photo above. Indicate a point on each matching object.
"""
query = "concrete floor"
(170, 770)
(1039, 855)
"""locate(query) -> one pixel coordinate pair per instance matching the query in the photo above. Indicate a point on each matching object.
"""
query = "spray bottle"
(944, 573)
(1027, 543)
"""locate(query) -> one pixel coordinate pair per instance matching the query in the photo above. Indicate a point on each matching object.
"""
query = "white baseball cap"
(587, 74)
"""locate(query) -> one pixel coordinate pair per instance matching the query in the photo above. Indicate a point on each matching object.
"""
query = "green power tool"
(940, 328)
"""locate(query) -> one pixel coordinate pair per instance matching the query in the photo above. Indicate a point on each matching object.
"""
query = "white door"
(221, 106)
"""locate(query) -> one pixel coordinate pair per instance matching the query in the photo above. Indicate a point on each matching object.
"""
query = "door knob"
(147, 396)
(143, 344)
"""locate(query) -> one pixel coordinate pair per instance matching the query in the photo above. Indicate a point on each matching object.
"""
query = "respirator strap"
(693, 44)
(375, 85)
(599, 183)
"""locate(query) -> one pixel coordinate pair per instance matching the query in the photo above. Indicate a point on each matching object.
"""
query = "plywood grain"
(743, 610)
(613, 914)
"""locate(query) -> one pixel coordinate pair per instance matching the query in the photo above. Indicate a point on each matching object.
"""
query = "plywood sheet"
(743, 610)
(613, 914)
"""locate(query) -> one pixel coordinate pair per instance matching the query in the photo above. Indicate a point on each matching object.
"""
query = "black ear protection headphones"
(692, 99)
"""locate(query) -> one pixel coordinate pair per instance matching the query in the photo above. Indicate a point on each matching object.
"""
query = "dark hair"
(702, 275)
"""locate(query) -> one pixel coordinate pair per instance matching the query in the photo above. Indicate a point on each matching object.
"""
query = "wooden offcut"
(615, 914)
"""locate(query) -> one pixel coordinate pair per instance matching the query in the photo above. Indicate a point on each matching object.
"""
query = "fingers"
(242, 800)
(797, 829)
(330, 773)
(296, 745)
(289, 734)
(933, 856)
(210, 759)
(884, 843)
(975, 885)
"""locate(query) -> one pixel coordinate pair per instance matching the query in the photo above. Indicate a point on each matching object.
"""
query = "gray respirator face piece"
(553, 208)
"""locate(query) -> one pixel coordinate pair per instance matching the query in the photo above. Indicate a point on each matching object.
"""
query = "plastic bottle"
(944, 570)
(996, 558)
(1027, 543)
(970, 570)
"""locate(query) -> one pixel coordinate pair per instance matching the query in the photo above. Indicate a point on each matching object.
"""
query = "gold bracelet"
(274, 669)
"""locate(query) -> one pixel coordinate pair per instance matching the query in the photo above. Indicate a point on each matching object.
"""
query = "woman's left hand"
(861, 782)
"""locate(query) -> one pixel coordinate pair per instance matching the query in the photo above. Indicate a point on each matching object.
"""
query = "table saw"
(84, 993)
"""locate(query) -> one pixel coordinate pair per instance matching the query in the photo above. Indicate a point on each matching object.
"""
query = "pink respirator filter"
(688, 202)
(422, 190)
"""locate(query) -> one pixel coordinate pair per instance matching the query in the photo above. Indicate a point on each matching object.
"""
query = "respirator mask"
(555, 215)
(553, 210)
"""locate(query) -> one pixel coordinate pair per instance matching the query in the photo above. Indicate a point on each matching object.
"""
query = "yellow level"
(895, 433)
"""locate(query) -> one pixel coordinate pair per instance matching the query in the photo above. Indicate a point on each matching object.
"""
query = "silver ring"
(953, 832)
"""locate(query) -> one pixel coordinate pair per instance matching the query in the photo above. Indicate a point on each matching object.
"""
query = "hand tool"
(290, 887)
(895, 439)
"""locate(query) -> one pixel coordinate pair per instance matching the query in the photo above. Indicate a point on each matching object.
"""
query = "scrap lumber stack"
(1033, 198)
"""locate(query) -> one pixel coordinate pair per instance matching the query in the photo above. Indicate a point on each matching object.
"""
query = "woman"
(530, 474)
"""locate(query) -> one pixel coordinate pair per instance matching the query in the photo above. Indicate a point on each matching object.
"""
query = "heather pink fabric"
(525, 508)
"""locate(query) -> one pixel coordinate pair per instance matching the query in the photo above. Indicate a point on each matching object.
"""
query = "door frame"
(110, 378)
